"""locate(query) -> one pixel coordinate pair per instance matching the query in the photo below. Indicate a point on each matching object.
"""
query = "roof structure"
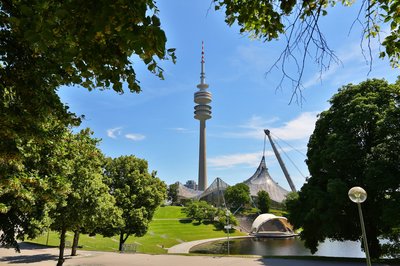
(187, 193)
(214, 193)
(261, 180)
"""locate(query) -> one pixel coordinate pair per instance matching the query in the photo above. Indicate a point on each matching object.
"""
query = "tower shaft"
(202, 157)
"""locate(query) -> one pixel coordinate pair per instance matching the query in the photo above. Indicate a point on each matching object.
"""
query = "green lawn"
(166, 230)
(169, 212)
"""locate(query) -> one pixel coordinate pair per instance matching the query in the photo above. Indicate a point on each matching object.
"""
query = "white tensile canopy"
(261, 180)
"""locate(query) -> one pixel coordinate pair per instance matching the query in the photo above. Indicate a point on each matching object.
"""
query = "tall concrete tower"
(202, 112)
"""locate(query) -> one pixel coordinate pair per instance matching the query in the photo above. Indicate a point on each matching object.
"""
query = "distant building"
(191, 184)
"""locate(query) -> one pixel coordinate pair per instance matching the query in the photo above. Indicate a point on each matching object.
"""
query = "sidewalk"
(185, 247)
(37, 256)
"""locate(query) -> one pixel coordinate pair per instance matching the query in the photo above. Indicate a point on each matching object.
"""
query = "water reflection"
(280, 247)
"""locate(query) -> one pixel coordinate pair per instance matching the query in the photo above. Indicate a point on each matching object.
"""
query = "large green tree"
(138, 193)
(88, 205)
(237, 196)
(355, 143)
(33, 182)
(298, 23)
(44, 45)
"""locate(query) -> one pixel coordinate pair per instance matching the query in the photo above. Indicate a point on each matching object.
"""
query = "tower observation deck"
(202, 112)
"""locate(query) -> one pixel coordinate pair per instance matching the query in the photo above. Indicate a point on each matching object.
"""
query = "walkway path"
(36, 256)
(186, 246)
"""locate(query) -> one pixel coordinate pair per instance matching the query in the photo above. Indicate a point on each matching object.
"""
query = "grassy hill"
(168, 228)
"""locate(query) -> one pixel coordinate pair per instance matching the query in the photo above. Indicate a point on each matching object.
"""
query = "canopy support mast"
(278, 156)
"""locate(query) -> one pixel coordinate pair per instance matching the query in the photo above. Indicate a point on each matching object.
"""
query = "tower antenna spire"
(203, 85)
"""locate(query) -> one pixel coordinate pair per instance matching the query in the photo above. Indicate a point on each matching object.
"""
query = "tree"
(355, 143)
(263, 201)
(137, 192)
(88, 204)
(172, 193)
(224, 219)
(200, 211)
(299, 22)
(36, 177)
(90, 44)
(44, 46)
(237, 195)
(290, 200)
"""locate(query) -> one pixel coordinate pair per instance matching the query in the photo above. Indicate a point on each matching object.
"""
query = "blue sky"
(158, 123)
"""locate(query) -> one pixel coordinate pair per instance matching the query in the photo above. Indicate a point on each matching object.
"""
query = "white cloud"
(231, 160)
(113, 132)
(244, 159)
(135, 137)
(299, 128)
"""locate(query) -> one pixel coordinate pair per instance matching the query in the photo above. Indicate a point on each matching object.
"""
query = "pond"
(280, 247)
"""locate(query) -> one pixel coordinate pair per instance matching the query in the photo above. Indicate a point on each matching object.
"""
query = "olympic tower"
(202, 112)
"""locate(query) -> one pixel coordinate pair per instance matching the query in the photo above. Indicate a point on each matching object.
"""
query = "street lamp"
(228, 226)
(358, 195)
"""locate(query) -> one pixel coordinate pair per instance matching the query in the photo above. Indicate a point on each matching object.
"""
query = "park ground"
(34, 255)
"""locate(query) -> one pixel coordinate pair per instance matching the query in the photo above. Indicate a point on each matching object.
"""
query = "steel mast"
(278, 156)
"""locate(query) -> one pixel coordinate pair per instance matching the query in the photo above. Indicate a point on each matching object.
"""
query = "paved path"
(185, 247)
(36, 256)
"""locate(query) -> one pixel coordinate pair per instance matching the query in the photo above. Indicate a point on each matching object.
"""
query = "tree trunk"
(62, 246)
(75, 242)
(121, 241)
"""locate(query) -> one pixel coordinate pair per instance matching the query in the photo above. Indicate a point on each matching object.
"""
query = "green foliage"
(34, 174)
(137, 192)
(45, 45)
(172, 193)
(355, 143)
(263, 201)
(88, 43)
(237, 195)
(224, 219)
(200, 211)
(290, 200)
(88, 205)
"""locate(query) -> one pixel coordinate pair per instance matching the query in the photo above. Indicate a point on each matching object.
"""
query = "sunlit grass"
(166, 230)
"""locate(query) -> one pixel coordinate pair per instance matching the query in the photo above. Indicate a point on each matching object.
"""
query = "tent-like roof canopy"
(187, 193)
(268, 223)
(216, 187)
(261, 180)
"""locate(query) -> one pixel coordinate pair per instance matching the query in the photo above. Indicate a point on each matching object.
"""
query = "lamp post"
(358, 195)
(228, 227)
